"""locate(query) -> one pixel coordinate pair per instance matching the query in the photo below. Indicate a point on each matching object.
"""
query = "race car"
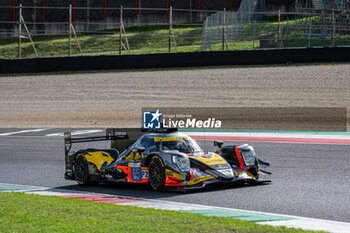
(163, 158)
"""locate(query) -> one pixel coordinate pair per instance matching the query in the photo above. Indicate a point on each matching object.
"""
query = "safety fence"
(46, 11)
(130, 30)
(250, 30)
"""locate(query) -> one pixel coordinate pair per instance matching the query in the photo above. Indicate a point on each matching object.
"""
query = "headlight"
(249, 157)
(183, 163)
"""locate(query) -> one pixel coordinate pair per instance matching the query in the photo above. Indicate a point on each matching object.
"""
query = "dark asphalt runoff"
(309, 180)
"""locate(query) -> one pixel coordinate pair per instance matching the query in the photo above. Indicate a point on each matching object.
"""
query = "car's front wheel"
(81, 170)
(157, 173)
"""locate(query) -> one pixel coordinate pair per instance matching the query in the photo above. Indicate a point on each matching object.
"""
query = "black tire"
(81, 170)
(156, 177)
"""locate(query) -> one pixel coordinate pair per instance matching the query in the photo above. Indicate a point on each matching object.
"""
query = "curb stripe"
(9, 187)
(250, 217)
(101, 198)
(296, 132)
(247, 215)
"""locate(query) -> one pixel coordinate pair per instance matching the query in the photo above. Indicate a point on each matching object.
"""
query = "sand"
(115, 99)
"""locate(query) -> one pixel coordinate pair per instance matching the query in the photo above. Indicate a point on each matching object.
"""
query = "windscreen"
(184, 145)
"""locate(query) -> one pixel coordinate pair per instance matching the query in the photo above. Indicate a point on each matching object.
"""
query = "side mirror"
(138, 149)
(218, 143)
(67, 142)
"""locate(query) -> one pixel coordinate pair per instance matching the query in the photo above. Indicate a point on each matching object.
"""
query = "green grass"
(21, 212)
(155, 39)
(148, 39)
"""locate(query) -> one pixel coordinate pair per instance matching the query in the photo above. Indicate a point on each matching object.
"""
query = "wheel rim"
(80, 169)
(156, 173)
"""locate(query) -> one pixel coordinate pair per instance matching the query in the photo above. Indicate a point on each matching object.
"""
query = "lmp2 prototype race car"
(163, 158)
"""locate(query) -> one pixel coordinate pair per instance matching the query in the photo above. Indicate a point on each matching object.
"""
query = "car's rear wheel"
(81, 170)
(156, 173)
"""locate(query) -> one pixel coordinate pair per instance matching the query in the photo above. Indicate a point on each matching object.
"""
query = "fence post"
(279, 30)
(223, 30)
(105, 11)
(190, 11)
(44, 12)
(136, 6)
(254, 34)
(170, 27)
(74, 10)
(310, 27)
(13, 13)
(167, 7)
(288, 28)
(70, 31)
(19, 30)
(121, 30)
(88, 13)
(332, 37)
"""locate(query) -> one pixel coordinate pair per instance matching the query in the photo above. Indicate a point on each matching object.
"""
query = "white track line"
(22, 131)
(270, 135)
(79, 132)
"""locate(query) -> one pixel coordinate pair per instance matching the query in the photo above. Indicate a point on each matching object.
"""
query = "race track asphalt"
(309, 180)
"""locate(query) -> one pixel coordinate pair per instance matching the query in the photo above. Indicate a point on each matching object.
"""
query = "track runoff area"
(251, 137)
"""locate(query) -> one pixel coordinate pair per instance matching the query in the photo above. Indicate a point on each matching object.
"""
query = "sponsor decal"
(202, 178)
(136, 171)
(169, 173)
(221, 166)
(135, 164)
(207, 156)
(144, 174)
(214, 161)
(136, 174)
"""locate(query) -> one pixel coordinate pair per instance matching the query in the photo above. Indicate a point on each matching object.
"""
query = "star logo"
(156, 115)
(151, 120)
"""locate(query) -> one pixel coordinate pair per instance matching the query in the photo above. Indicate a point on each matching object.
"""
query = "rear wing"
(121, 138)
(111, 134)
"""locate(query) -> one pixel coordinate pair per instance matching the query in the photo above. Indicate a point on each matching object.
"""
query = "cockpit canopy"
(156, 142)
